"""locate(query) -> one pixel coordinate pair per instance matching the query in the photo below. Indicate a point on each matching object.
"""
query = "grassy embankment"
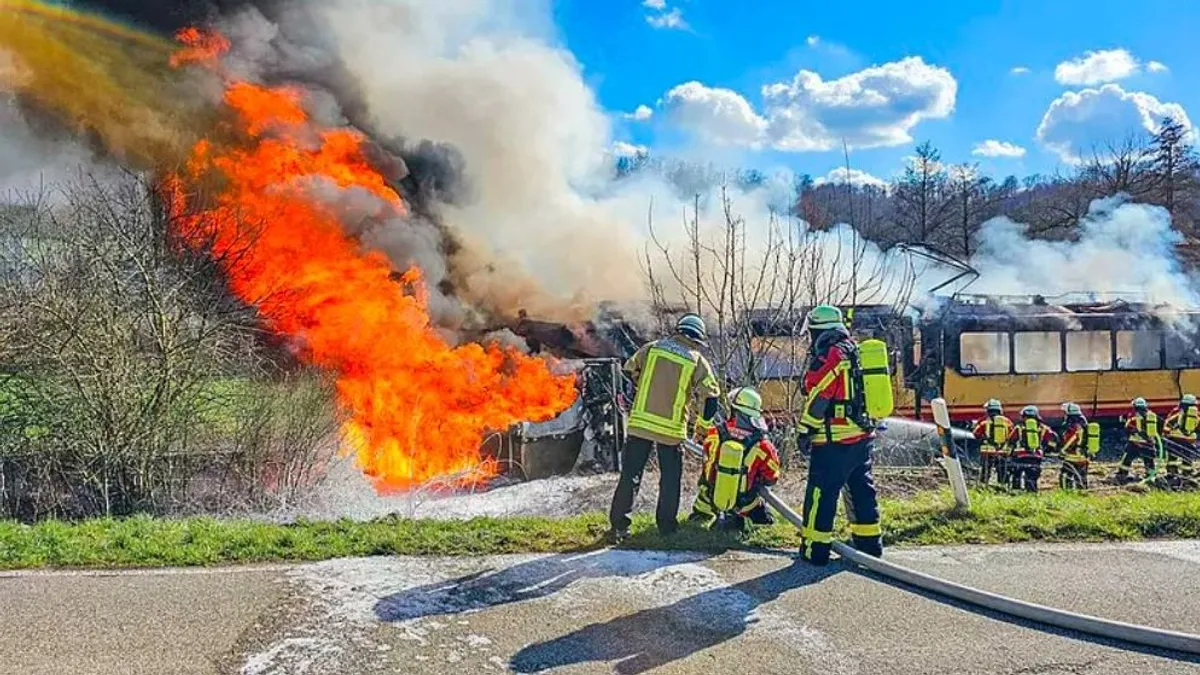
(925, 519)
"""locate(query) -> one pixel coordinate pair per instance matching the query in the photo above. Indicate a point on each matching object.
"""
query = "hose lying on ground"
(1118, 630)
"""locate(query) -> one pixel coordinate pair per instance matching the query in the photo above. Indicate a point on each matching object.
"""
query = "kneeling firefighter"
(847, 389)
(739, 459)
(1080, 443)
(1029, 442)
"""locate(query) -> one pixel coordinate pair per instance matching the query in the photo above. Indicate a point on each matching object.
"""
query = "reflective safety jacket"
(760, 464)
(993, 433)
(1031, 440)
(1180, 426)
(670, 374)
(1074, 446)
(1143, 429)
(829, 392)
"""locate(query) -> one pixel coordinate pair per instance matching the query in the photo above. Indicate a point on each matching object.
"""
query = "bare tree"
(923, 203)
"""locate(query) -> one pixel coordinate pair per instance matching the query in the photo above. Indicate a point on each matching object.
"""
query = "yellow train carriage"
(973, 348)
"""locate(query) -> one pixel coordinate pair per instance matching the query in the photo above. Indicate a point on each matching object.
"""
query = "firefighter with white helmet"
(1180, 428)
(668, 374)
(739, 460)
(1144, 440)
(992, 433)
(1029, 441)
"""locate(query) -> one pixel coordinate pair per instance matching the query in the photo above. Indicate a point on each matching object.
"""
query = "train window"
(1038, 352)
(983, 353)
(1139, 350)
(1182, 351)
(1089, 350)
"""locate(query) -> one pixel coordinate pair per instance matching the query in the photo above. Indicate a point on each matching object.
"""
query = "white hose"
(1106, 628)
(1060, 618)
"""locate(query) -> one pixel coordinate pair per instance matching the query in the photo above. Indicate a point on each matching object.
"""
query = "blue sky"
(881, 73)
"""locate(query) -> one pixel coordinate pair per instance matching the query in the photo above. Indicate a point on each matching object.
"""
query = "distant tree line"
(944, 205)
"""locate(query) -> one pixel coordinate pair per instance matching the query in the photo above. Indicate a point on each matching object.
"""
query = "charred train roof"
(978, 313)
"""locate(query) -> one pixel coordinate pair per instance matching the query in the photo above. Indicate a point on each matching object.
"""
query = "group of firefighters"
(835, 422)
(1014, 452)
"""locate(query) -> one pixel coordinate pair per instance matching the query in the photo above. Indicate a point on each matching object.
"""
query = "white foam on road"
(420, 598)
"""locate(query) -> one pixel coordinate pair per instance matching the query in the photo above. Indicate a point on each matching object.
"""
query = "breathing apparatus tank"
(1092, 438)
(731, 468)
(876, 378)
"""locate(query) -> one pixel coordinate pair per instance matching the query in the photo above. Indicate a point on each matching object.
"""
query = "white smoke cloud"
(30, 161)
(842, 175)
(1122, 249)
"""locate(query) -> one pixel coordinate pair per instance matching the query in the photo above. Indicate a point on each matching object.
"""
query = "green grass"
(150, 542)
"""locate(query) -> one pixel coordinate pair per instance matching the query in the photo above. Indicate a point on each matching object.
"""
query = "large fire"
(262, 199)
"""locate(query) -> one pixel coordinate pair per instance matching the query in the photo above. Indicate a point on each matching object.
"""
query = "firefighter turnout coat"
(760, 467)
(673, 379)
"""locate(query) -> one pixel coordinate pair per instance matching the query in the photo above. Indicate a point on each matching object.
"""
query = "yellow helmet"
(746, 401)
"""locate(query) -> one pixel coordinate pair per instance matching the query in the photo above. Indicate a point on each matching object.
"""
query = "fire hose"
(1059, 618)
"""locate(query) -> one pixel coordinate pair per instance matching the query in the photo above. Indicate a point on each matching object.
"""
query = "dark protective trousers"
(1073, 475)
(1134, 452)
(989, 462)
(633, 464)
(1025, 472)
(830, 468)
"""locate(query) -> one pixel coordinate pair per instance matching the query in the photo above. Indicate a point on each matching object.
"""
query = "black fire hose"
(1059, 618)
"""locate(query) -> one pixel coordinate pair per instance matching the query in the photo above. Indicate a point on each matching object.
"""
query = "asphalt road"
(599, 612)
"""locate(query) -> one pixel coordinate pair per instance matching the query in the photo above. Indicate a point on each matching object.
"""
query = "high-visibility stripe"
(640, 418)
(866, 529)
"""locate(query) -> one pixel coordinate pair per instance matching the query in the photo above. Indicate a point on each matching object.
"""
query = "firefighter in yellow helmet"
(1180, 428)
(1144, 440)
(739, 459)
(838, 429)
(992, 434)
(670, 376)
(1080, 442)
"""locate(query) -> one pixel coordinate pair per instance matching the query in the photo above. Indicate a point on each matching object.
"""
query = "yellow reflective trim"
(866, 529)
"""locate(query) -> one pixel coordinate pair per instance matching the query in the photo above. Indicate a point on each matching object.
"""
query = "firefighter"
(835, 424)
(668, 373)
(739, 459)
(1143, 440)
(1180, 429)
(1080, 442)
(992, 434)
(1029, 442)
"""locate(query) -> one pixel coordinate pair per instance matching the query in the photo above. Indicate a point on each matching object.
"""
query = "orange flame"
(199, 48)
(416, 408)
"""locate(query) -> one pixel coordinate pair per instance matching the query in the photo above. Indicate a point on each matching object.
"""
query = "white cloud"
(719, 116)
(994, 148)
(1096, 67)
(672, 19)
(1076, 123)
(874, 107)
(655, 4)
(641, 114)
(813, 40)
(841, 176)
(623, 149)
(1019, 70)
(1157, 67)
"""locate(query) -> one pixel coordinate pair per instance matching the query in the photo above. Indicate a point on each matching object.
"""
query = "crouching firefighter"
(669, 374)
(846, 388)
(992, 434)
(1143, 441)
(1080, 443)
(1180, 430)
(1029, 441)
(739, 460)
